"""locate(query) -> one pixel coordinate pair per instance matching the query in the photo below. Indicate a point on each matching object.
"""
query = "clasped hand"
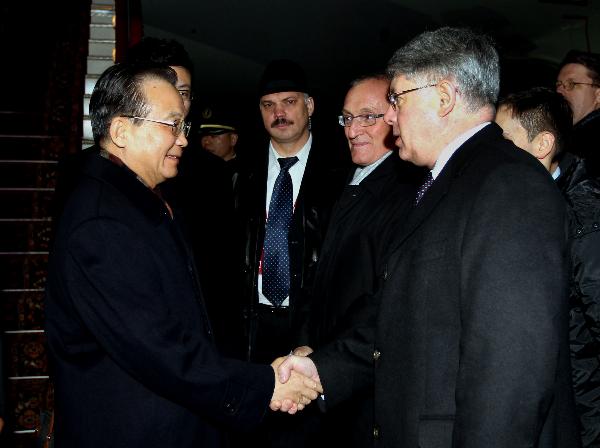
(296, 383)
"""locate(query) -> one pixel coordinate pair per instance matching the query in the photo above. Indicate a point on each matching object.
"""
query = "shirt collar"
(556, 173)
(363, 171)
(302, 154)
(451, 148)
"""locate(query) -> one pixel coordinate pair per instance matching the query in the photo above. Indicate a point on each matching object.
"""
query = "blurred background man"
(219, 136)
(579, 82)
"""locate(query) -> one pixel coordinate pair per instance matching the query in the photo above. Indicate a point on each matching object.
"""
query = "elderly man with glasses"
(376, 199)
(128, 333)
(469, 345)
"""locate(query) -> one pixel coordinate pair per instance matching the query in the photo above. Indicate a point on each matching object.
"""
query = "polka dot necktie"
(276, 261)
(424, 187)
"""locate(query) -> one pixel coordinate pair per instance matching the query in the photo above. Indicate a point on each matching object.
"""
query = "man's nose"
(354, 129)
(278, 110)
(390, 116)
(181, 140)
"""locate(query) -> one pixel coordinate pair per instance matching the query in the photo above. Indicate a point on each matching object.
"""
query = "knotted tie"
(424, 187)
(276, 261)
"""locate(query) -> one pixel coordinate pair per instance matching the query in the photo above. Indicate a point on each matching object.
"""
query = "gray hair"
(458, 54)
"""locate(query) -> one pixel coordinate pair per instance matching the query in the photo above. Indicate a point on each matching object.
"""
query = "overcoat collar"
(453, 169)
(125, 180)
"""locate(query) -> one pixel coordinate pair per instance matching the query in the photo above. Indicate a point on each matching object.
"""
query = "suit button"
(375, 432)
(376, 355)
(229, 408)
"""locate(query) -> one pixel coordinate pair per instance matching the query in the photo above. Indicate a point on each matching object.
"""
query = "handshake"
(297, 381)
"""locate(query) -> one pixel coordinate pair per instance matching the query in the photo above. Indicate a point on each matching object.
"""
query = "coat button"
(376, 355)
(375, 432)
(229, 408)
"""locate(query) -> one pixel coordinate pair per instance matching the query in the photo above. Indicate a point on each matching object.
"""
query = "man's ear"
(310, 105)
(234, 138)
(543, 145)
(597, 97)
(119, 131)
(447, 94)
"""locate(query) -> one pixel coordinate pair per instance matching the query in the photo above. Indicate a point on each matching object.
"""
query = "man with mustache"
(285, 203)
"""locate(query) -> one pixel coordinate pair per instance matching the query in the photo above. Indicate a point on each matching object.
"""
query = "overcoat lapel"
(438, 190)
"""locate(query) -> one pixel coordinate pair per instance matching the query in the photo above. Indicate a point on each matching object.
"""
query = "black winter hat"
(282, 75)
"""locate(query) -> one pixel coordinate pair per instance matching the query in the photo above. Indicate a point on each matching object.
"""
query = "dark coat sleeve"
(345, 365)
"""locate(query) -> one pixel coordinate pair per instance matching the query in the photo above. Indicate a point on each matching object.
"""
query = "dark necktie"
(424, 187)
(276, 261)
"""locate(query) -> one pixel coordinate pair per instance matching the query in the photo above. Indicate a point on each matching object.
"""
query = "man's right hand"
(303, 350)
(299, 364)
(297, 391)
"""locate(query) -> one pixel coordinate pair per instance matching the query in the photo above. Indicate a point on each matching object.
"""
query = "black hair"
(541, 109)
(118, 92)
(152, 50)
(591, 61)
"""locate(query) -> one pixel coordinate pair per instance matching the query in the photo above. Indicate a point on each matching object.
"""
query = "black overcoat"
(363, 221)
(469, 347)
(134, 360)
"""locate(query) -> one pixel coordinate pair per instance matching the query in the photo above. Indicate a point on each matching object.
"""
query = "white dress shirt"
(363, 171)
(451, 148)
(296, 173)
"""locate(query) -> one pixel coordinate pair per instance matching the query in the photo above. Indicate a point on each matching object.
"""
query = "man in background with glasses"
(579, 82)
(469, 345)
(135, 363)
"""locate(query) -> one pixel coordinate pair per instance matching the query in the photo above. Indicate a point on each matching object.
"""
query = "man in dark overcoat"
(373, 205)
(469, 347)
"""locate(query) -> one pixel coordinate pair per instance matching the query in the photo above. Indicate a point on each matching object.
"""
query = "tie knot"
(286, 162)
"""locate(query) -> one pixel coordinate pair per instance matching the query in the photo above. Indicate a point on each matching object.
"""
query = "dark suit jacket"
(321, 184)
(362, 224)
(133, 353)
(470, 347)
